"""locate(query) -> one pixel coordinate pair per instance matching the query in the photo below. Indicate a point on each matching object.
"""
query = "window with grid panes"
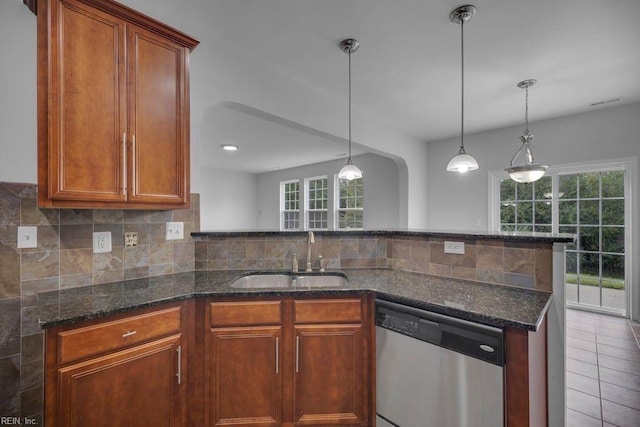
(350, 211)
(592, 206)
(526, 207)
(317, 203)
(290, 205)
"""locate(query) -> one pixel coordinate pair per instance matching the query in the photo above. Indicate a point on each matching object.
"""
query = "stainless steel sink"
(253, 281)
(262, 280)
(322, 281)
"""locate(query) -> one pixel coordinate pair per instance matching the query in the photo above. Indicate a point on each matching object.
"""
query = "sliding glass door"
(590, 201)
(592, 206)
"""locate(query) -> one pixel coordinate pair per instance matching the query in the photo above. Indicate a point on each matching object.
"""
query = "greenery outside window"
(350, 204)
(290, 205)
(590, 200)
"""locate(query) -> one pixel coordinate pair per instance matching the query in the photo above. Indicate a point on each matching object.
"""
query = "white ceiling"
(407, 70)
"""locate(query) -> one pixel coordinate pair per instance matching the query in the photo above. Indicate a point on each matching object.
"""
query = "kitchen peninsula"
(501, 280)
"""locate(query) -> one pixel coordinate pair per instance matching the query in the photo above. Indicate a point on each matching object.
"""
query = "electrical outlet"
(175, 230)
(454, 248)
(101, 242)
(27, 237)
(130, 239)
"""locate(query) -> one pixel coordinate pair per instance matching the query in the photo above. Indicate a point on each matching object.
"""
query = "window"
(290, 205)
(592, 206)
(317, 203)
(588, 200)
(525, 207)
(349, 212)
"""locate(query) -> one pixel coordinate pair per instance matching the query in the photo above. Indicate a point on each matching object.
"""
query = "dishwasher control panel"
(469, 338)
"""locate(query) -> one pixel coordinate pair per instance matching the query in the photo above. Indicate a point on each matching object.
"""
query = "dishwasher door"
(419, 384)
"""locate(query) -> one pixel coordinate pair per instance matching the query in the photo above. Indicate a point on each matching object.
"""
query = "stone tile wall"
(506, 263)
(64, 259)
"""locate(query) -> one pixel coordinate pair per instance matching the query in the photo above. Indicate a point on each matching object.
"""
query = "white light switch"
(101, 242)
(27, 237)
(454, 248)
(175, 230)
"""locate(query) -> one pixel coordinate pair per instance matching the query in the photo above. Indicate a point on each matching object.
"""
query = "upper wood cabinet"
(113, 108)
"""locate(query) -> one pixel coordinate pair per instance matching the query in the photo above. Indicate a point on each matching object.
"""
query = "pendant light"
(349, 171)
(462, 162)
(522, 167)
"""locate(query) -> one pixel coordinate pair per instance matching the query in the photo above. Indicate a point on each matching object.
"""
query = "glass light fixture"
(349, 171)
(229, 147)
(462, 162)
(522, 167)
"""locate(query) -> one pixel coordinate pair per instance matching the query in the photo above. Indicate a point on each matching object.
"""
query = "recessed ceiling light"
(229, 147)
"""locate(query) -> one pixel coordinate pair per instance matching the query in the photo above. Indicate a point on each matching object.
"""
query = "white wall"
(460, 202)
(227, 200)
(381, 185)
(18, 88)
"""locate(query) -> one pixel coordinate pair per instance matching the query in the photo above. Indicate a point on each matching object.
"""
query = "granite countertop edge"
(490, 304)
(524, 237)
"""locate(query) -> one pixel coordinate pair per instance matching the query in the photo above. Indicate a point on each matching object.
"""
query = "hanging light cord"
(462, 85)
(526, 110)
(349, 159)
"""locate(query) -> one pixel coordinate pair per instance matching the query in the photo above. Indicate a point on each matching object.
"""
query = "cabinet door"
(86, 103)
(245, 382)
(158, 119)
(140, 386)
(329, 375)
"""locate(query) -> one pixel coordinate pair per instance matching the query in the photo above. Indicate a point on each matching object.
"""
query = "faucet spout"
(310, 241)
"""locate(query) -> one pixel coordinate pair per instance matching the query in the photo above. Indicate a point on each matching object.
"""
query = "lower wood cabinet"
(129, 370)
(305, 362)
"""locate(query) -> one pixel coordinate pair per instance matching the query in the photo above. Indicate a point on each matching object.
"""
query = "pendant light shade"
(522, 167)
(349, 171)
(462, 162)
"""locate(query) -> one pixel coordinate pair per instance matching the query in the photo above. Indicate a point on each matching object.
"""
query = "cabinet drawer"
(328, 311)
(246, 313)
(90, 340)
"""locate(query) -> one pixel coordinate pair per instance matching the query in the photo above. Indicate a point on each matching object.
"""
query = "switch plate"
(27, 237)
(101, 242)
(454, 248)
(175, 230)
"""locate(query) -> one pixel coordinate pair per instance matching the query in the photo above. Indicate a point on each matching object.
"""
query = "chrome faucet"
(310, 240)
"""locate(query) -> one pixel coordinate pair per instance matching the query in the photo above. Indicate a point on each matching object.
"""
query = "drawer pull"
(129, 333)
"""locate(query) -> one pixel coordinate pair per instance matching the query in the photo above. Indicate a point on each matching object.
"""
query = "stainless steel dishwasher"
(436, 371)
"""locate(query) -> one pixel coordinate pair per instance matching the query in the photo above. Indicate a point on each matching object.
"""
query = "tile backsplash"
(64, 258)
(494, 261)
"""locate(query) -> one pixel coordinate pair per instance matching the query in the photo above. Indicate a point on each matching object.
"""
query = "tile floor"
(603, 371)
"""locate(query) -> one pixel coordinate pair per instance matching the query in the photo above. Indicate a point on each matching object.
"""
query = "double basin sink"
(291, 280)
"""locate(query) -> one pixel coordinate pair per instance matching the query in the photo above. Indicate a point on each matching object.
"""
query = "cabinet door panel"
(329, 375)
(158, 118)
(87, 104)
(137, 387)
(245, 380)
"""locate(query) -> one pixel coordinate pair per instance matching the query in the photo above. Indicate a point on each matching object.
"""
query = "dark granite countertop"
(445, 234)
(490, 304)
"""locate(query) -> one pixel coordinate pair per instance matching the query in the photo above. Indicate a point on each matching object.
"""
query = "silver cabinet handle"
(298, 354)
(124, 164)
(129, 333)
(277, 355)
(133, 161)
(179, 374)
